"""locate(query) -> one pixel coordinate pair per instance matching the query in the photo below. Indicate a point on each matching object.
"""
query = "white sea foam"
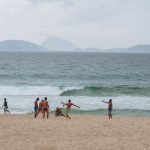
(33, 90)
(24, 104)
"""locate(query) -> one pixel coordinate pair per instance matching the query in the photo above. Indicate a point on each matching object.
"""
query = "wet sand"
(23, 132)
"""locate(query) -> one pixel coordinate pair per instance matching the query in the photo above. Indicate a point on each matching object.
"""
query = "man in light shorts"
(68, 107)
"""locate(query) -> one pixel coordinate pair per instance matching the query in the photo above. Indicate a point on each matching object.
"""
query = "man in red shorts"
(45, 108)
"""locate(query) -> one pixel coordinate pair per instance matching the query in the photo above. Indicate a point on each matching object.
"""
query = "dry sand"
(23, 132)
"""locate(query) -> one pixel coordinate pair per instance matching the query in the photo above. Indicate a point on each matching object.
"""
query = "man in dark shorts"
(5, 106)
(58, 112)
(109, 107)
(36, 106)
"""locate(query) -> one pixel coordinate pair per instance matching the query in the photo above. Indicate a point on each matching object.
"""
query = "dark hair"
(45, 98)
(37, 99)
(69, 100)
(5, 99)
(110, 100)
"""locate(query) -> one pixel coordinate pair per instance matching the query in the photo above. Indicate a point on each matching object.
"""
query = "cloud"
(62, 3)
(50, 1)
(99, 23)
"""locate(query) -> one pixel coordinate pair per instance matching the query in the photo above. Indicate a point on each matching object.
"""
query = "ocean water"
(85, 78)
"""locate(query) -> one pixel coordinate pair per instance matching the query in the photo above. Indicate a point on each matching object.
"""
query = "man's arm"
(48, 104)
(105, 102)
(76, 105)
(64, 104)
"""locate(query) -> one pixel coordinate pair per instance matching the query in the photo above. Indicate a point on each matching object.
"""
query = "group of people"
(43, 107)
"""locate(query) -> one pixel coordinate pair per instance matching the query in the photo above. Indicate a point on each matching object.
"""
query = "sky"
(87, 23)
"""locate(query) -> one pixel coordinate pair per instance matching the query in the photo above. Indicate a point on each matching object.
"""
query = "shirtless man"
(109, 107)
(39, 108)
(58, 112)
(5, 106)
(36, 106)
(68, 107)
(45, 108)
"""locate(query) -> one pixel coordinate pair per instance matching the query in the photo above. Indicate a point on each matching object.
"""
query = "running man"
(109, 107)
(5, 106)
(68, 107)
(45, 108)
(36, 106)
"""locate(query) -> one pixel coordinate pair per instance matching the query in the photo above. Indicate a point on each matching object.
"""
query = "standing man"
(36, 107)
(45, 108)
(5, 106)
(109, 107)
(40, 108)
(68, 107)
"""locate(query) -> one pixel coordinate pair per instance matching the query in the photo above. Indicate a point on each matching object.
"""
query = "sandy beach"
(23, 132)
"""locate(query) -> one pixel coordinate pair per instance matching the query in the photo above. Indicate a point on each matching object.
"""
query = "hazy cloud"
(99, 23)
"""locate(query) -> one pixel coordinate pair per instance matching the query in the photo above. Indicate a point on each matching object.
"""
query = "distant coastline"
(61, 45)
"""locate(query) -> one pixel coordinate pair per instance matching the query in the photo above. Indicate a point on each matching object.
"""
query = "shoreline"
(99, 112)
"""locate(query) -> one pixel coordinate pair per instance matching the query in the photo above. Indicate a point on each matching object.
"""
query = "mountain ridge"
(20, 45)
(133, 49)
(26, 46)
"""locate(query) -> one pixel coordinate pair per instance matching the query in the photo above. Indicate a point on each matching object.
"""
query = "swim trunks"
(35, 109)
(109, 110)
(67, 111)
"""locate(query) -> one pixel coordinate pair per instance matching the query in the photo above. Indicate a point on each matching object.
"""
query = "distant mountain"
(61, 45)
(19, 45)
(134, 49)
(140, 49)
(58, 44)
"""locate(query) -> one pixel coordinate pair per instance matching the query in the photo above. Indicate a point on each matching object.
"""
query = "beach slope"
(23, 132)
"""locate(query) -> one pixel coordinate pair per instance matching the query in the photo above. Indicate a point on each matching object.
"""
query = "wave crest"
(107, 91)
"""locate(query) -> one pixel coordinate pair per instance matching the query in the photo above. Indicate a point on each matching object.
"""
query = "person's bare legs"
(47, 114)
(36, 114)
(6, 111)
(67, 116)
(110, 116)
(43, 114)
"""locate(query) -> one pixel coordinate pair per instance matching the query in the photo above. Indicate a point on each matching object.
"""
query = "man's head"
(37, 99)
(69, 100)
(110, 100)
(45, 98)
(4, 99)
